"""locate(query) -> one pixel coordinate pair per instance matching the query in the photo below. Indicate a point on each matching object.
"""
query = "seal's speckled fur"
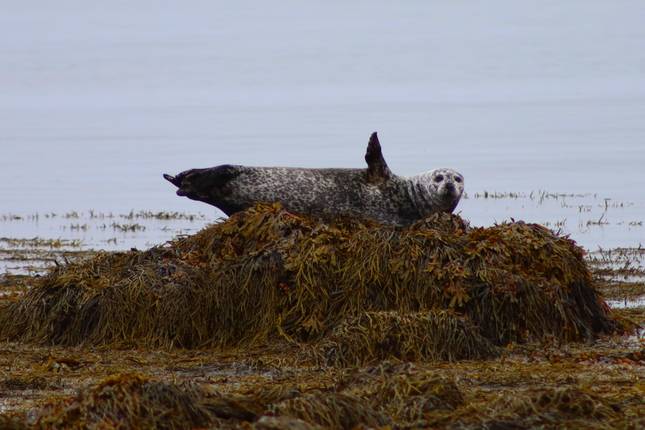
(373, 192)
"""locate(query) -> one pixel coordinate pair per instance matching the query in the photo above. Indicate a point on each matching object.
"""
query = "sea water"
(542, 99)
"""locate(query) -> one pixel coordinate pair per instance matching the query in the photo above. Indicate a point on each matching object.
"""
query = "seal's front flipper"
(377, 170)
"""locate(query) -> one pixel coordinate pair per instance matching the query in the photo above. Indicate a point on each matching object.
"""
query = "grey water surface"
(545, 99)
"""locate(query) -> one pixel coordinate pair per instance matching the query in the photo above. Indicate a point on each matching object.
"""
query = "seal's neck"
(425, 197)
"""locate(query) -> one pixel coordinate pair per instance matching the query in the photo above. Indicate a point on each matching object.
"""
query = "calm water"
(97, 100)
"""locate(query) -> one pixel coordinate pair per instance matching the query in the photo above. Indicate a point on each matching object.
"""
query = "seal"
(374, 192)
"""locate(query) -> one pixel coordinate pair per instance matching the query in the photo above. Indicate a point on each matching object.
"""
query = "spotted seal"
(374, 192)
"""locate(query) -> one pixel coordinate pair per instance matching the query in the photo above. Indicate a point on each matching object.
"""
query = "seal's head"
(440, 188)
(447, 182)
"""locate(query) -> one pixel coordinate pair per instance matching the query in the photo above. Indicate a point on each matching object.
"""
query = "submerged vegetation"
(271, 320)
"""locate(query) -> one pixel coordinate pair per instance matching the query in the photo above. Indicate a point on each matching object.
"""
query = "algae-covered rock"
(266, 273)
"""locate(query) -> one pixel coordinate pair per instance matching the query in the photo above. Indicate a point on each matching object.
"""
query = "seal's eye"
(438, 178)
(457, 179)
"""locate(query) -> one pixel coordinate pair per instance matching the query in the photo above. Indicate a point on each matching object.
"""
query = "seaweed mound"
(265, 273)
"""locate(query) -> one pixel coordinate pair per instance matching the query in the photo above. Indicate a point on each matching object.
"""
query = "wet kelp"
(266, 273)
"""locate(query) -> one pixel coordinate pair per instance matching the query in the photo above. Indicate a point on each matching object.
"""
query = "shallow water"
(625, 303)
(98, 100)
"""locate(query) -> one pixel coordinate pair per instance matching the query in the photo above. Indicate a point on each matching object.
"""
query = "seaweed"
(12, 423)
(331, 410)
(137, 401)
(553, 408)
(578, 385)
(266, 274)
(419, 336)
(404, 391)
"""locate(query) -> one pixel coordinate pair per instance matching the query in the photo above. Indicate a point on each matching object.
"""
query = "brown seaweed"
(266, 273)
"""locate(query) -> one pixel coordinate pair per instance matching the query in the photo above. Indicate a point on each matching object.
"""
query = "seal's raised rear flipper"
(377, 170)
